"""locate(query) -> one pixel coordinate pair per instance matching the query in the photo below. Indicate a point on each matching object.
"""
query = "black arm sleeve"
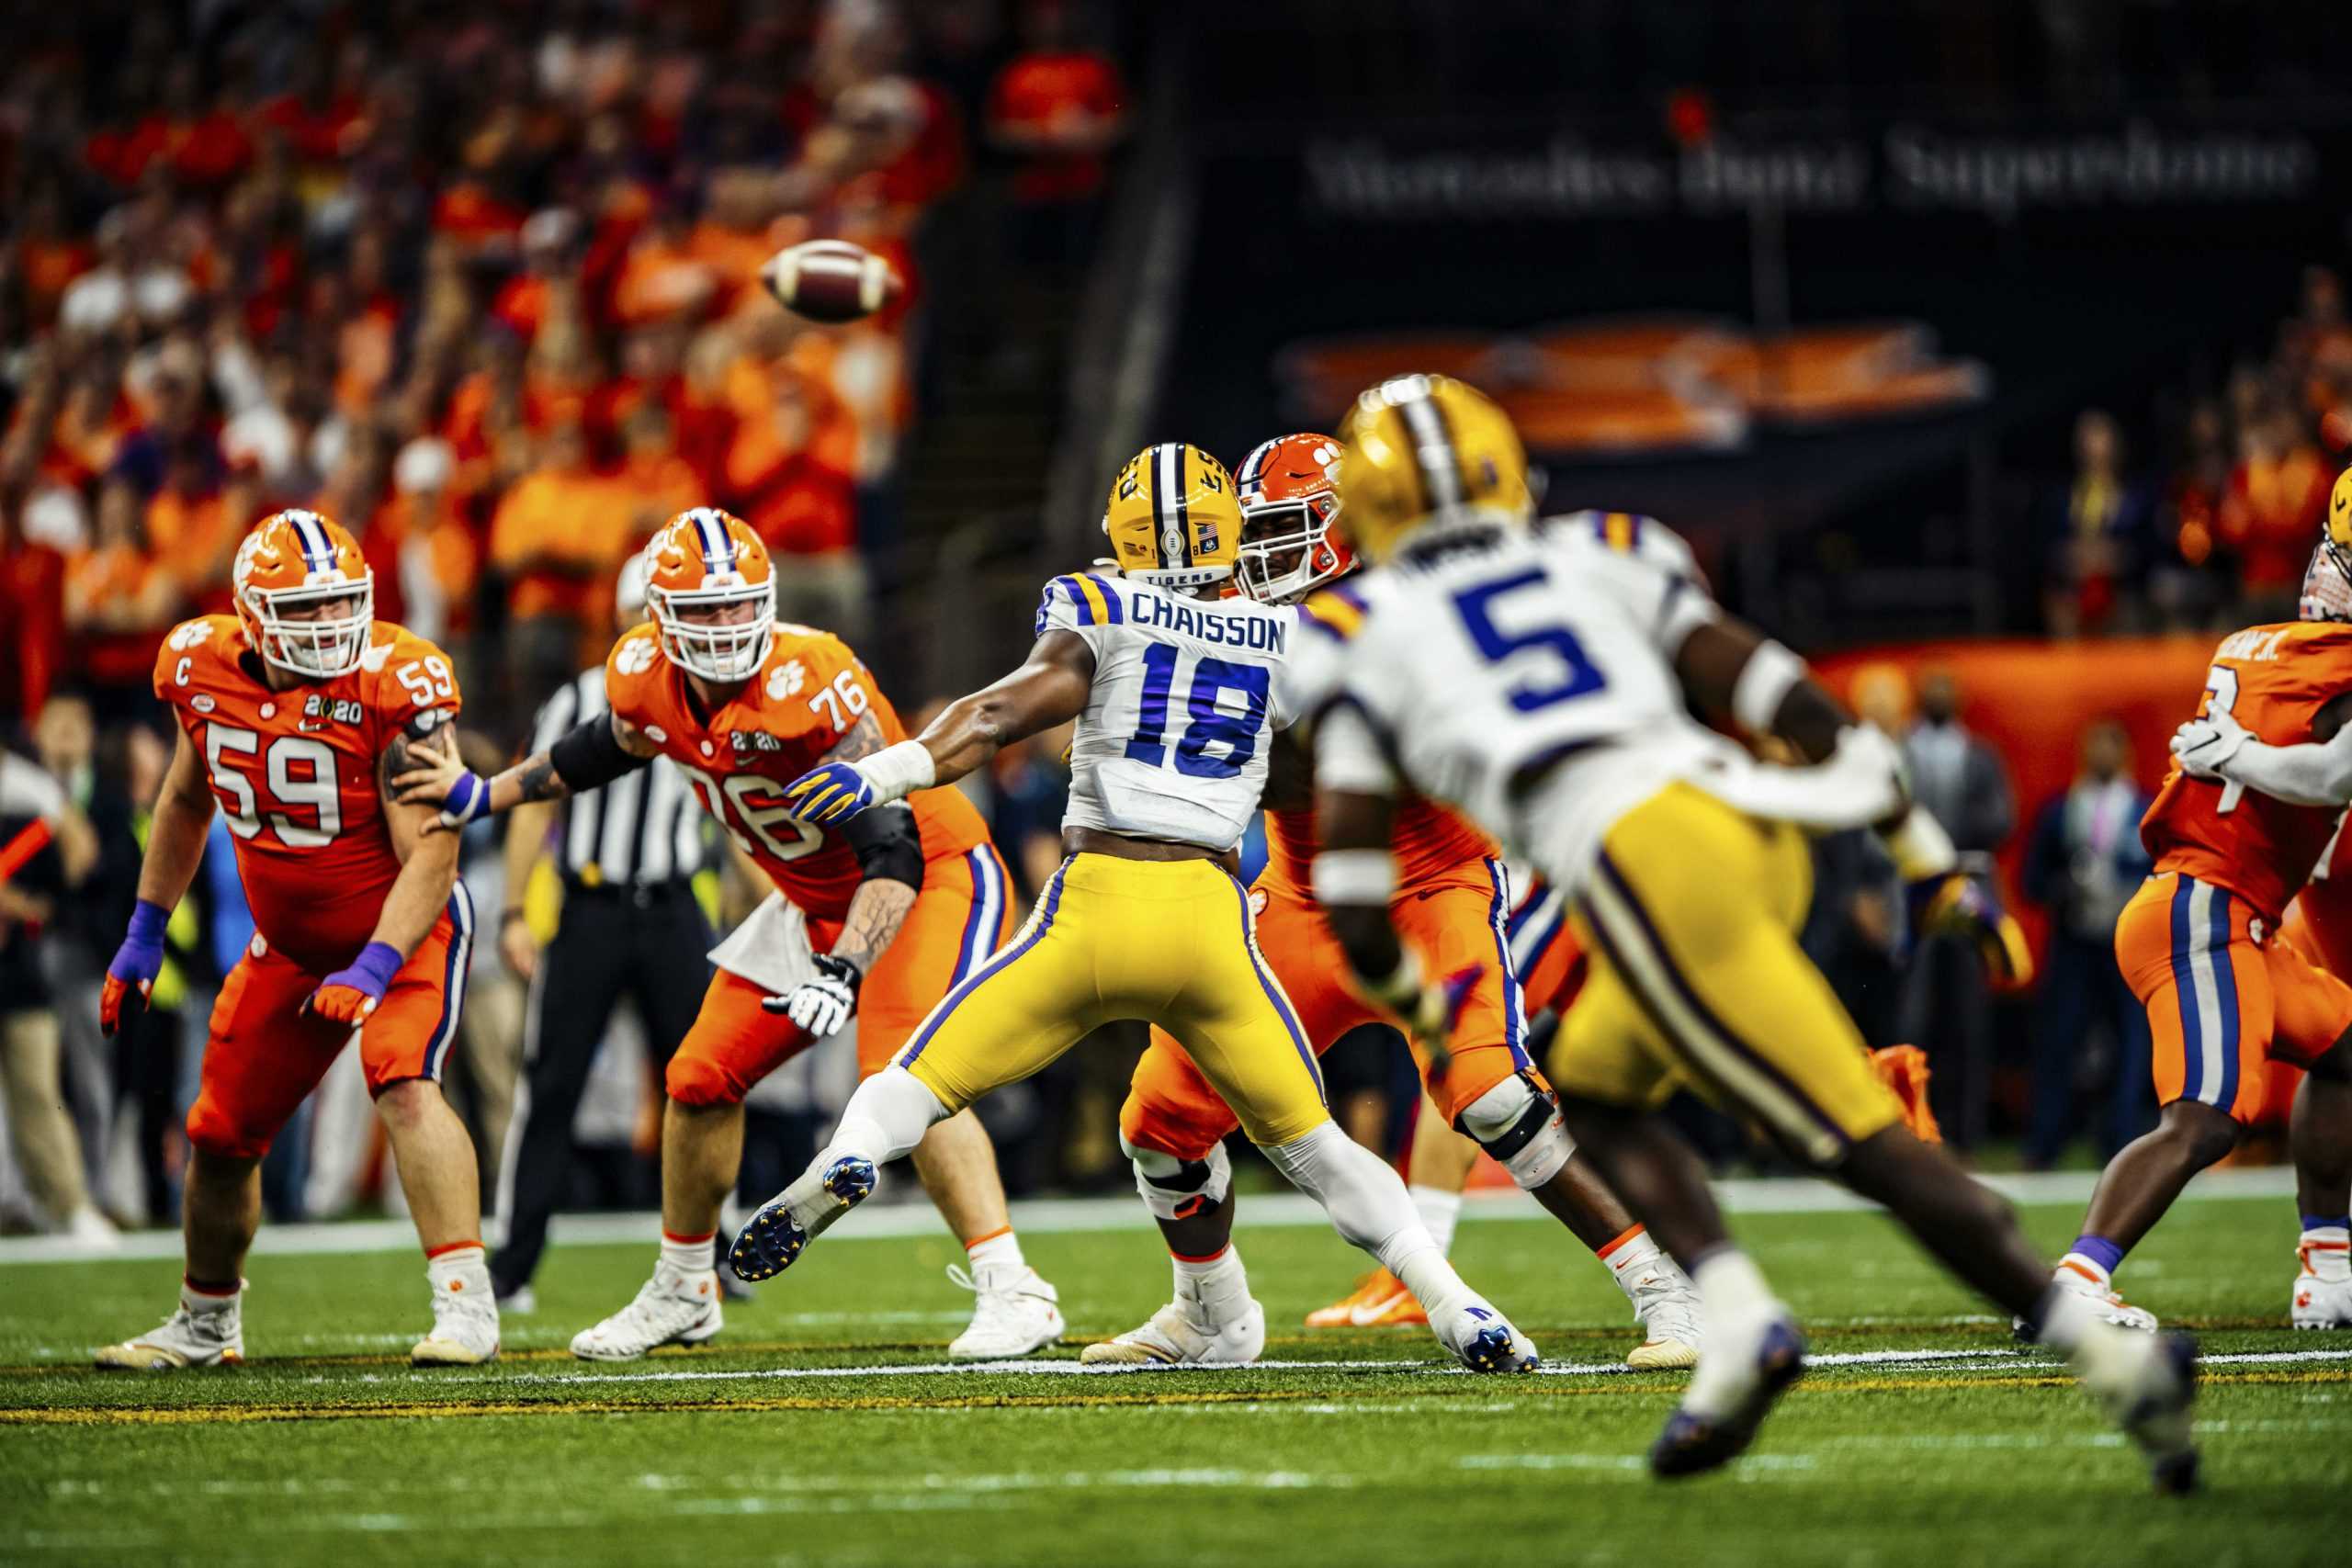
(588, 756)
(887, 845)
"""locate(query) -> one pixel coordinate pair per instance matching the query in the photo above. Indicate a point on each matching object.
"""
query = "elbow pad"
(588, 755)
(887, 845)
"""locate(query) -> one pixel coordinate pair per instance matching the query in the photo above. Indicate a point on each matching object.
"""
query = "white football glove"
(2205, 745)
(823, 1004)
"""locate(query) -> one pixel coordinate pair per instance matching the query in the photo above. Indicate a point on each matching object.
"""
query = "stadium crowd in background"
(2213, 533)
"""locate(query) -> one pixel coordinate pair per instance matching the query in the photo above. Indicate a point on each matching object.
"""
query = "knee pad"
(1177, 1188)
(690, 1080)
(1522, 1128)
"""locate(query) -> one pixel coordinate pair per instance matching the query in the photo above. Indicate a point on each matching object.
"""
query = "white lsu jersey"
(1173, 741)
(1487, 655)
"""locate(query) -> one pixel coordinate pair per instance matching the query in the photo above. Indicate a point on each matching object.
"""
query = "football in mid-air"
(830, 280)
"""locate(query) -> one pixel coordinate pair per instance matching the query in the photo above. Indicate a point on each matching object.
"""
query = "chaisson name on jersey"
(1259, 633)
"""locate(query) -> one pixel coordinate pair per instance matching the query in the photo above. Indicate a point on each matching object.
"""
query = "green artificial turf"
(325, 1448)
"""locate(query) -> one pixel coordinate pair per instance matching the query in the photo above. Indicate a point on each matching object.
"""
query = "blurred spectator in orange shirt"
(664, 276)
(190, 530)
(1060, 107)
(439, 557)
(790, 469)
(654, 483)
(119, 598)
(49, 258)
(2188, 583)
(2272, 511)
(547, 253)
(556, 537)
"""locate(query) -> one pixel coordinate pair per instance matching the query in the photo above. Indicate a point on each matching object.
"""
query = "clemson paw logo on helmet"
(787, 679)
(635, 655)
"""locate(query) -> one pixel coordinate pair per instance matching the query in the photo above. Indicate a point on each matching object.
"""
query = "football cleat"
(1174, 1339)
(189, 1339)
(1017, 1311)
(2110, 1307)
(1692, 1444)
(2147, 1383)
(1379, 1300)
(1666, 1305)
(781, 1229)
(2320, 1303)
(1484, 1339)
(465, 1332)
(670, 1309)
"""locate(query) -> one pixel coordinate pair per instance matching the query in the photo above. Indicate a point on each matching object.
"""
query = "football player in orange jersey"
(1453, 896)
(879, 919)
(2273, 812)
(294, 714)
(2260, 781)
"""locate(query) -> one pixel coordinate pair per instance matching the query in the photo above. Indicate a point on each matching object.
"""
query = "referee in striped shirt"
(631, 926)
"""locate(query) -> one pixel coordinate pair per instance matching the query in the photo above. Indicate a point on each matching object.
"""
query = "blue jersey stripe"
(2184, 983)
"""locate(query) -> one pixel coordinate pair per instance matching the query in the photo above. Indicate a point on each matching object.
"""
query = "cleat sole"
(1692, 1445)
(772, 1240)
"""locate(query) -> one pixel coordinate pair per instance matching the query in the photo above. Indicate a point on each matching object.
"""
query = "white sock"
(1218, 1287)
(2327, 1252)
(201, 1301)
(1432, 1281)
(461, 1270)
(1632, 1258)
(1732, 1288)
(1439, 1210)
(999, 1253)
(885, 1118)
(687, 1255)
(1364, 1196)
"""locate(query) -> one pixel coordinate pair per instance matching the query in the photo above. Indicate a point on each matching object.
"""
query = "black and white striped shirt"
(643, 829)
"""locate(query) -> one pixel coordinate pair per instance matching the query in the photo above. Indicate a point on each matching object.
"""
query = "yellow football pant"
(1690, 916)
(1170, 942)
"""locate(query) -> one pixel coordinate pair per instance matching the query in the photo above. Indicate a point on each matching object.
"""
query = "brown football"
(830, 280)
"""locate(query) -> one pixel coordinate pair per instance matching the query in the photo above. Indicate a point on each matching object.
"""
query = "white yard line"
(1959, 1359)
(1075, 1216)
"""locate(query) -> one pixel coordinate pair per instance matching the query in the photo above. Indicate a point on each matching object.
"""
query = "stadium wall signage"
(1908, 166)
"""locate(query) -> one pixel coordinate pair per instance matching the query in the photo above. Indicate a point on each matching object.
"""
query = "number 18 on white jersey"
(1172, 743)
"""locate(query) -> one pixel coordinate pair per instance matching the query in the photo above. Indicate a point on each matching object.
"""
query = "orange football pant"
(266, 1055)
(2225, 996)
(1453, 923)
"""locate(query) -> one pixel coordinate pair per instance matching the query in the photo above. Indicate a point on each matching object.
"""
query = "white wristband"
(1354, 877)
(1764, 683)
(897, 771)
(1919, 846)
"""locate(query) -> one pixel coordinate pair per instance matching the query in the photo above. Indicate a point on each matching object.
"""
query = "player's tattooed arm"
(593, 754)
(864, 739)
(877, 911)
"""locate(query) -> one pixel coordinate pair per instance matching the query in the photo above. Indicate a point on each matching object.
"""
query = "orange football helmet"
(293, 572)
(700, 570)
(1290, 495)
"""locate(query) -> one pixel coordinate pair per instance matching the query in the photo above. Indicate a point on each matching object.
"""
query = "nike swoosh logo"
(1368, 1315)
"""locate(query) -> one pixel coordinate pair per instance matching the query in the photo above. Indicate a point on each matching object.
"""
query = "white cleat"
(2322, 1303)
(464, 1331)
(190, 1340)
(1174, 1339)
(1665, 1303)
(2147, 1382)
(91, 1231)
(670, 1309)
(1482, 1338)
(2110, 1307)
(1017, 1311)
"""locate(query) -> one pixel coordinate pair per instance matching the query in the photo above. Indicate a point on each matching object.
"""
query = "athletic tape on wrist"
(1764, 683)
(896, 772)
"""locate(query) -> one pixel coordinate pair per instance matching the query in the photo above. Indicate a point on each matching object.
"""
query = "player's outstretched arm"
(2315, 772)
(592, 754)
(1049, 689)
(174, 847)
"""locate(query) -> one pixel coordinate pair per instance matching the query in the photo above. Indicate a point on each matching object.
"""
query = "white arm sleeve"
(1350, 754)
(2317, 773)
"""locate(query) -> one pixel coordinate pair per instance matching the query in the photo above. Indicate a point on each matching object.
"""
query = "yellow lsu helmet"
(2327, 581)
(1417, 449)
(1172, 518)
